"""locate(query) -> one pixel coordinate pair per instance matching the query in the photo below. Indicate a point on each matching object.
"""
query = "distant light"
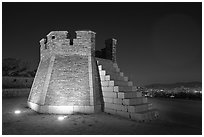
(61, 118)
(17, 112)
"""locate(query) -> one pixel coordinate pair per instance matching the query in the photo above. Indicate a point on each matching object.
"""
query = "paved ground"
(176, 117)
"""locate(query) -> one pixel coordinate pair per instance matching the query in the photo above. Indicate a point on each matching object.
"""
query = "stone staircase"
(120, 96)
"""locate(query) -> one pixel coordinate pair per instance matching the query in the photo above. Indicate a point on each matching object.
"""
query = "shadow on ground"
(176, 117)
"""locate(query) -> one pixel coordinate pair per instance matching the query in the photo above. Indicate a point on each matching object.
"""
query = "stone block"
(107, 77)
(115, 76)
(126, 95)
(124, 88)
(116, 88)
(110, 94)
(134, 88)
(108, 100)
(111, 83)
(102, 78)
(104, 83)
(130, 83)
(121, 107)
(135, 101)
(123, 83)
(107, 89)
(115, 65)
(117, 69)
(125, 78)
(121, 74)
(100, 67)
(117, 101)
(102, 72)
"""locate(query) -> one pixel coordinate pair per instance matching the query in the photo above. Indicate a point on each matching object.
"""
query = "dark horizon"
(157, 42)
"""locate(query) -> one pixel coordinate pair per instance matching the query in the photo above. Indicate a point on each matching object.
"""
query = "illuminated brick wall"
(66, 74)
(69, 83)
(38, 83)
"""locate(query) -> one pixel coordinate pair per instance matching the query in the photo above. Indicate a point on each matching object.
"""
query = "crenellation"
(58, 43)
(55, 35)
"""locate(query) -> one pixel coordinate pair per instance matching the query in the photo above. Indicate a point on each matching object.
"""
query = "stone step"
(131, 94)
(102, 73)
(117, 112)
(108, 100)
(140, 107)
(107, 89)
(125, 78)
(114, 73)
(104, 83)
(109, 94)
(118, 78)
(107, 83)
(109, 105)
(118, 101)
(105, 77)
(100, 67)
(125, 88)
(117, 69)
(117, 107)
(101, 60)
(135, 101)
(126, 102)
(140, 116)
(107, 64)
(122, 83)
(109, 69)
(115, 65)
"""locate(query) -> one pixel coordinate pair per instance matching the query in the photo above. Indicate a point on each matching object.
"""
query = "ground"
(176, 117)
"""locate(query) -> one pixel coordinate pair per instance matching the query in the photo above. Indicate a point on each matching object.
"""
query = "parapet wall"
(57, 42)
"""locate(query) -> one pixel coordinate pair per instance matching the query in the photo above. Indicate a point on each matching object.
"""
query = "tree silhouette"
(14, 67)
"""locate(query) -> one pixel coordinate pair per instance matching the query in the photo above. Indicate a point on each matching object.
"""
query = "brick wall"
(67, 73)
(69, 83)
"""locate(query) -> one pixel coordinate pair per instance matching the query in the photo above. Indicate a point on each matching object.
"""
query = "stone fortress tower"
(74, 78)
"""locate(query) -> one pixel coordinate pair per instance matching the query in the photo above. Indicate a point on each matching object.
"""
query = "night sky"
(157, 42)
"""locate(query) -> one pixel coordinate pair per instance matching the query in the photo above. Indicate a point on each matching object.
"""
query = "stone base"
(64, 109)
